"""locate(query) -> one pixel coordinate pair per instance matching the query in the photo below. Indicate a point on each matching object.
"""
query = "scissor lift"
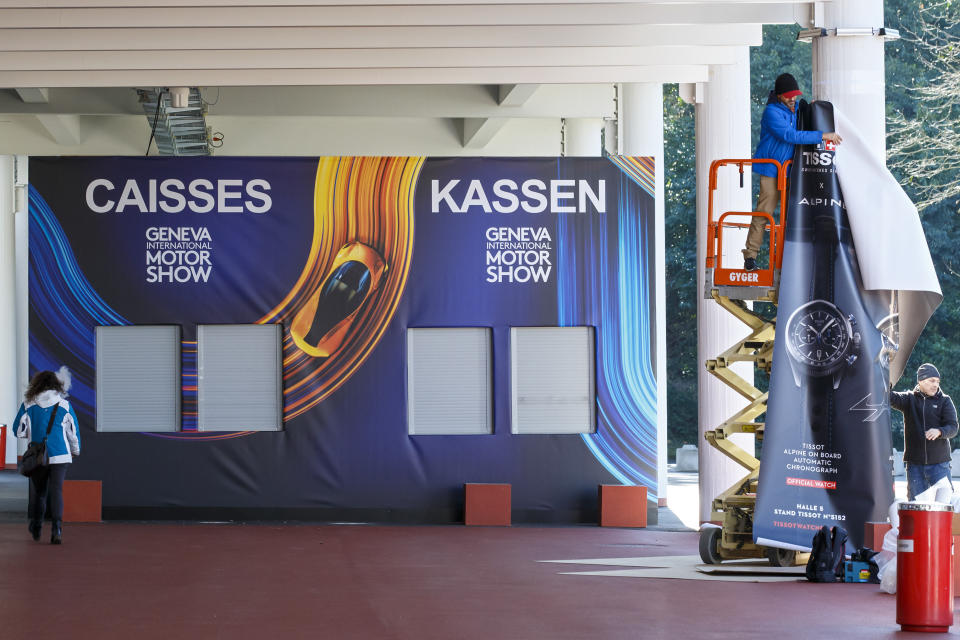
(730, 286)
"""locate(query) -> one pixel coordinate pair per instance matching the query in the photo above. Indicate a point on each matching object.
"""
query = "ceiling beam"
(407, 101)
(405, 13)
(65, 130)
(478, 132)
(252, 38)
(371, 76)
(168, 4)
(256, 136)
(514, 95)
(364, 58)
(34, 95)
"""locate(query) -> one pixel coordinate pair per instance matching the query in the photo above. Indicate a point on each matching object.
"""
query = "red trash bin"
(925, 567)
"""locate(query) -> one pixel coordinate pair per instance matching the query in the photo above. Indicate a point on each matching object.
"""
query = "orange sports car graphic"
(319, 329)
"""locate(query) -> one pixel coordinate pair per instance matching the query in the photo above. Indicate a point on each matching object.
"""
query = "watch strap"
(824, 250)
(819, 401)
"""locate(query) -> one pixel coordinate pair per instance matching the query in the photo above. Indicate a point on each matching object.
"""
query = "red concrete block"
(487, 504)
(623, 506)
(82, 501)
(873, 533)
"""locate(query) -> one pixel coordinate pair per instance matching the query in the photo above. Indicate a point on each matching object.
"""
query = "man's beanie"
(927, 370)
(786, 85)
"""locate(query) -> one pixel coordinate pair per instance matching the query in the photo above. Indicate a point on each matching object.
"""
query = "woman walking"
(46, 415)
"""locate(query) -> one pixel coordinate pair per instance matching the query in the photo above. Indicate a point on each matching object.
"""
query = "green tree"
(924, 144)
(923, 152)
(681, 270)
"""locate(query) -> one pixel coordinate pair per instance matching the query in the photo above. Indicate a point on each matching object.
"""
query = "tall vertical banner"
(346, 255)
(827, 441)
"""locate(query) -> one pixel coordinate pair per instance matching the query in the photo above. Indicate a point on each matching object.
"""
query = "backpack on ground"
(826, 554)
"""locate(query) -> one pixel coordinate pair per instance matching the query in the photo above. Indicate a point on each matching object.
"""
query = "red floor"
(120, 580)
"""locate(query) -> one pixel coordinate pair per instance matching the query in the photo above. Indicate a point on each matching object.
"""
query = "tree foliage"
(924, 144)
(681, 256)
(923, 149)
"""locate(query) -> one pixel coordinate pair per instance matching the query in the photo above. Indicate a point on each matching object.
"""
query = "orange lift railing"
(720, 275)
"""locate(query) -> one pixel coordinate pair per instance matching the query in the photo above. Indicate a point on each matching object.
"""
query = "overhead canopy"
(371, 58)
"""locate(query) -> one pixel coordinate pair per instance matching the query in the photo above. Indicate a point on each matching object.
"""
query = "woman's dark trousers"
(43, 485)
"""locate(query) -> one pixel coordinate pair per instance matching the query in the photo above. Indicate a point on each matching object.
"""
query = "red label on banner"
(796, 525)
(807, 482)
(829, 146)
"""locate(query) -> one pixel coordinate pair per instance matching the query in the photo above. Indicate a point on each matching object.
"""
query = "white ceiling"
(369, 76)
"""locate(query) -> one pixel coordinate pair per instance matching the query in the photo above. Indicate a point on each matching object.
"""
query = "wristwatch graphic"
(822, 340)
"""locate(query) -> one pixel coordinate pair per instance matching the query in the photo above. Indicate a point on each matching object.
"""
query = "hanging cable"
(209, 104)
(156, 115)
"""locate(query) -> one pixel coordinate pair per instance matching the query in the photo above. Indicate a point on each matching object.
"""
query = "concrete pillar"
(582, 137)
(848, 67)
(22, 244)
(8, 307)
(723, 131)
(641, 134)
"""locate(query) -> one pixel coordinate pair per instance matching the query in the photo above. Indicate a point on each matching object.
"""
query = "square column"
(848, 67)
(723, 131)
(9, 400)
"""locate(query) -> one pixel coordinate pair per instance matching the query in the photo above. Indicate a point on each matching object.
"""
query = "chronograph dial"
(821, 339)
(819, 333)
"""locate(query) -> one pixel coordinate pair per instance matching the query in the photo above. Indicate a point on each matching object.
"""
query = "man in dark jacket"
(929, 421)
(778, 135)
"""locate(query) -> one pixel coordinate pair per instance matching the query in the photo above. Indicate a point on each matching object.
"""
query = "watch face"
(818, 337)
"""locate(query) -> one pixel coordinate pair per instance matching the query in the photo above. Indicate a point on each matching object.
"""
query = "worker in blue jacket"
(44, 404)
(778, 135)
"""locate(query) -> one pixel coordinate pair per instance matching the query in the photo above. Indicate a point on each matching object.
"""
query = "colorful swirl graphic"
(366, 201)
(619, 292)
(64, 303)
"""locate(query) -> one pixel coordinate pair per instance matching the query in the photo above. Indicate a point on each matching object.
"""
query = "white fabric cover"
(891, 248)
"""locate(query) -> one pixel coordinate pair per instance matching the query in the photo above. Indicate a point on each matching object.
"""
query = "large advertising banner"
(495, 243)
(839, 346)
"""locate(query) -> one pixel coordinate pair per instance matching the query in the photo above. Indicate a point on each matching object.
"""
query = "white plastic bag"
(888, 552)
(887, 558)
(888, 582)
(893, 513)
(940, 491)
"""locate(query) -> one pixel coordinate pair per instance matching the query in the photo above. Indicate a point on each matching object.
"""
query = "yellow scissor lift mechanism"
(734, 508)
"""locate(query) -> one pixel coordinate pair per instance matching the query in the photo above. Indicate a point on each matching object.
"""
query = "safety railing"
(721, 275)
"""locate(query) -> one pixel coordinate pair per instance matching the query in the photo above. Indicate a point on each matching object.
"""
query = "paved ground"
(188, 580)
(164, 581)
(13, 496)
